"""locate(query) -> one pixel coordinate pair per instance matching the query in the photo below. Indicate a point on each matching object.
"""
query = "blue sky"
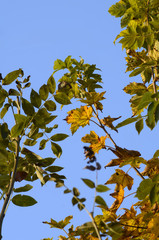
(33, 35)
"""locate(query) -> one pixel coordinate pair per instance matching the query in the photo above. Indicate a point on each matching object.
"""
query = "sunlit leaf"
(50, 105)
(35, 98)
(51, 84)
(12, 76)
(102, 188)
(56, 149)
(44, 92)
(59, 137)
(88, 182)
(62, 98)
(144, 189)
(27, 107)
(99, 200)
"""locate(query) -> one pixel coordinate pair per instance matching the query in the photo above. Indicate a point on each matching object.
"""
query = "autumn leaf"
(107, 121)
(96, 142)
(93, 97)
(119, 196)
(79, 117)
(153, 227)
(121, 178)
(152, 168)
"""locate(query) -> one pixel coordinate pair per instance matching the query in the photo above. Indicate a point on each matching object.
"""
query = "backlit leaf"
(99, 200)
(144, 189)
(50, 105)
(102, 188)
(27, 107)
(139, 125)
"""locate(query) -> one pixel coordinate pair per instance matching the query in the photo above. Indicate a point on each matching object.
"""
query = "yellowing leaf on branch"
(93, 97)
(153, 227)
(121, 178)
(119, 196)
(79, 117)
(96, 142)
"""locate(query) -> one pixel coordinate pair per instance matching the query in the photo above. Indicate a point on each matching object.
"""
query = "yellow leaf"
(121, 178)
(119, 196)
(96, 142)
(79, 117)
(153, 227)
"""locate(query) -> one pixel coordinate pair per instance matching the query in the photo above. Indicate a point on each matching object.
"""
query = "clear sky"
(33, 35)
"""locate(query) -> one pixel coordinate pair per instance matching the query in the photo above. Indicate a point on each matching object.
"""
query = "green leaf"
(56, 149)
(127, 121)
(118, 9)
(154, 194)
(30, 142)
(44, 92)
(17, 130)
(53, 169)
(26, 188)
(50, 105)
(145, 100)
(3, 95)
(10, 77)
(42, 144)
(13, 92)
(88, 182)
(4, 110)
(4, 130)
(59, 64)
(62, 98)
(27, 107)
(136, 72)
(35, 99)
(59, 137)
(102, 188)
(139, 125)
(4, 180)
(157, 113)
(40, 175)
(51, 84)
(99, 200)
(23, 200)
(156, 154)
(144, 189)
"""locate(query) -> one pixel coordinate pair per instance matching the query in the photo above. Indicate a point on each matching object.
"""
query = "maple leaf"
(121, 178)
(79, 117)
(125, 156)
(96, 142)
(107, 121)
(93, 97)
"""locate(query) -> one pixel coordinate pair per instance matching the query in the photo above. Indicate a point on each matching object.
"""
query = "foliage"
(82, 82)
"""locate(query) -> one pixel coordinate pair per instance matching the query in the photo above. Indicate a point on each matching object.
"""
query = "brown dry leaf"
(96, 142)
(79, 117)
(121, 178)
(107, 121)
(119, 196)
(152, 168)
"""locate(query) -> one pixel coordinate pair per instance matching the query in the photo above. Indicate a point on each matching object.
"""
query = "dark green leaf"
(44, 92)
(26, 188)
(145, 100)
(13, 92)
(154, 194)
(99, 200)
(27, 107)
(23, 200)
(62, 98)
(139, 125)
(157, 113)
(67, 191)
(4, 110)
(30, 142)
(56, 149)
(59, 137)
(10, 77)
(17, 130)
(54, 169)
(144, 189)
(51, 84)
(50, 105)
(88, 182)
(35, 99)
(4, 130)
(4, 180)
(3, 95)
(102, 188)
